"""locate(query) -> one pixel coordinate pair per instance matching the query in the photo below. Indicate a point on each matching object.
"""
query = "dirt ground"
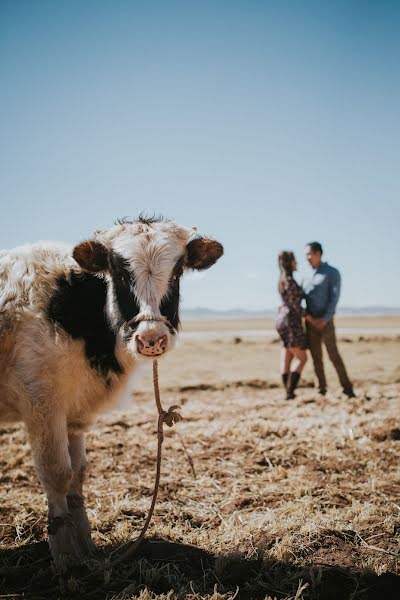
(260, 497)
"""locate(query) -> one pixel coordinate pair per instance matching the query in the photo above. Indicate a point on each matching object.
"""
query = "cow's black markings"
(169, 306)
(124, 293)
(78, 306)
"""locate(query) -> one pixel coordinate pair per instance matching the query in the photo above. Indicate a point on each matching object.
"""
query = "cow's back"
(29, 274)
(28, 278)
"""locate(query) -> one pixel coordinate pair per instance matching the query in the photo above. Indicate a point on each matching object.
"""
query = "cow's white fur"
(45, 379)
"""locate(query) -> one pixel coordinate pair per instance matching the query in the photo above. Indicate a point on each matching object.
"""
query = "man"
(322, 292)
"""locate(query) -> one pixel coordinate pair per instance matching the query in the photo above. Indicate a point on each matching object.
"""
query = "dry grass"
(260, 498)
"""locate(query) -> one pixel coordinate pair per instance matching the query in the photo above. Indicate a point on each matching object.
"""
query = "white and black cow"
(74, 322)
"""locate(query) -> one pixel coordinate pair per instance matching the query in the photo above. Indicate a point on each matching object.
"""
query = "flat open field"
(260, 497)
(359, 322)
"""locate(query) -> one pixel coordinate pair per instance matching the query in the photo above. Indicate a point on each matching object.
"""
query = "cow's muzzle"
(150, 347)
(151, 341)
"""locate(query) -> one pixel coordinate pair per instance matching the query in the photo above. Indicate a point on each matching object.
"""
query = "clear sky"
(265, 124)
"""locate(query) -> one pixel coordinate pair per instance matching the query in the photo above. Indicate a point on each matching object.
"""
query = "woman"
(289, 324)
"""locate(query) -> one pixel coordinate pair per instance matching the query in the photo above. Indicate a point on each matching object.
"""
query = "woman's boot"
(293, 380)
(285, 377)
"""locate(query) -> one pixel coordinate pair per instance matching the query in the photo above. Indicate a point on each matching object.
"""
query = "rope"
(169, 418)
(140, 318)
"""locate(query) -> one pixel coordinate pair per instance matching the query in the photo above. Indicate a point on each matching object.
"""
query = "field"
(260, 497)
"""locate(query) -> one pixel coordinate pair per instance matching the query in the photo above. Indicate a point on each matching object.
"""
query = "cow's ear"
(91, 256)
(202, 253)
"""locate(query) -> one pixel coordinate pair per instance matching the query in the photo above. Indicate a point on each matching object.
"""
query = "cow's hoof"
(82, 526)
(63, 542)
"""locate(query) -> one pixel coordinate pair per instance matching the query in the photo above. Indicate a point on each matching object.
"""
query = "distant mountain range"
(241, 313)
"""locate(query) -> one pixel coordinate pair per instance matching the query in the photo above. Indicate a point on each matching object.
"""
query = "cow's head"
(143, 262)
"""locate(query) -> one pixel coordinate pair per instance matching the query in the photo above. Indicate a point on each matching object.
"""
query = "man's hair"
(315, 247)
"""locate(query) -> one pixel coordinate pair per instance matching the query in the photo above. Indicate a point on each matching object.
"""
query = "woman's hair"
(285, 260)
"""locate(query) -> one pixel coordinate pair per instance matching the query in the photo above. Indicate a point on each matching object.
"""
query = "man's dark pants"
(328, 336)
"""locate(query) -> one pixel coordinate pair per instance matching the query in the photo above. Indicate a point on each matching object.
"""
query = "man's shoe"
(322, 391)
(349, 392)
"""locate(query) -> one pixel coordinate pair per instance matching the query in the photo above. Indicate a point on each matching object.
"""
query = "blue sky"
(265, 124)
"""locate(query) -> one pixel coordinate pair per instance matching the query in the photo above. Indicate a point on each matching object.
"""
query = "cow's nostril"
(163, 341)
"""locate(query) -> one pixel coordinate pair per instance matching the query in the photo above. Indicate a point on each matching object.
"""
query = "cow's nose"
(151, 347)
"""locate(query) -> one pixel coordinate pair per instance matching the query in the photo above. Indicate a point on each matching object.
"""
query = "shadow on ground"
(161, 566)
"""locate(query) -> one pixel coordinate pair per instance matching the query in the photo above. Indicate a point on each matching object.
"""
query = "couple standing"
(321, 293)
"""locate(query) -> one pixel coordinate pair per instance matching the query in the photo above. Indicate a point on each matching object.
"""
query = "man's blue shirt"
(322, 291)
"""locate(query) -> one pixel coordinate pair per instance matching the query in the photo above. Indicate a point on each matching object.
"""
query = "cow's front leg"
(75, 498)
(49, 442)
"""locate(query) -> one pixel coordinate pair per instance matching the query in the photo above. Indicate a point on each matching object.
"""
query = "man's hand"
(320, 324)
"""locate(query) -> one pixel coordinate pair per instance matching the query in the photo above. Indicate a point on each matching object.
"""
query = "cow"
(75, 322)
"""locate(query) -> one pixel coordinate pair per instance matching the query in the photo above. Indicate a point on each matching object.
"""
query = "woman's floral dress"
(289, 323)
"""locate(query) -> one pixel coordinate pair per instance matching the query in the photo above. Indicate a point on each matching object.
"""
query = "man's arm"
(334, 293)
